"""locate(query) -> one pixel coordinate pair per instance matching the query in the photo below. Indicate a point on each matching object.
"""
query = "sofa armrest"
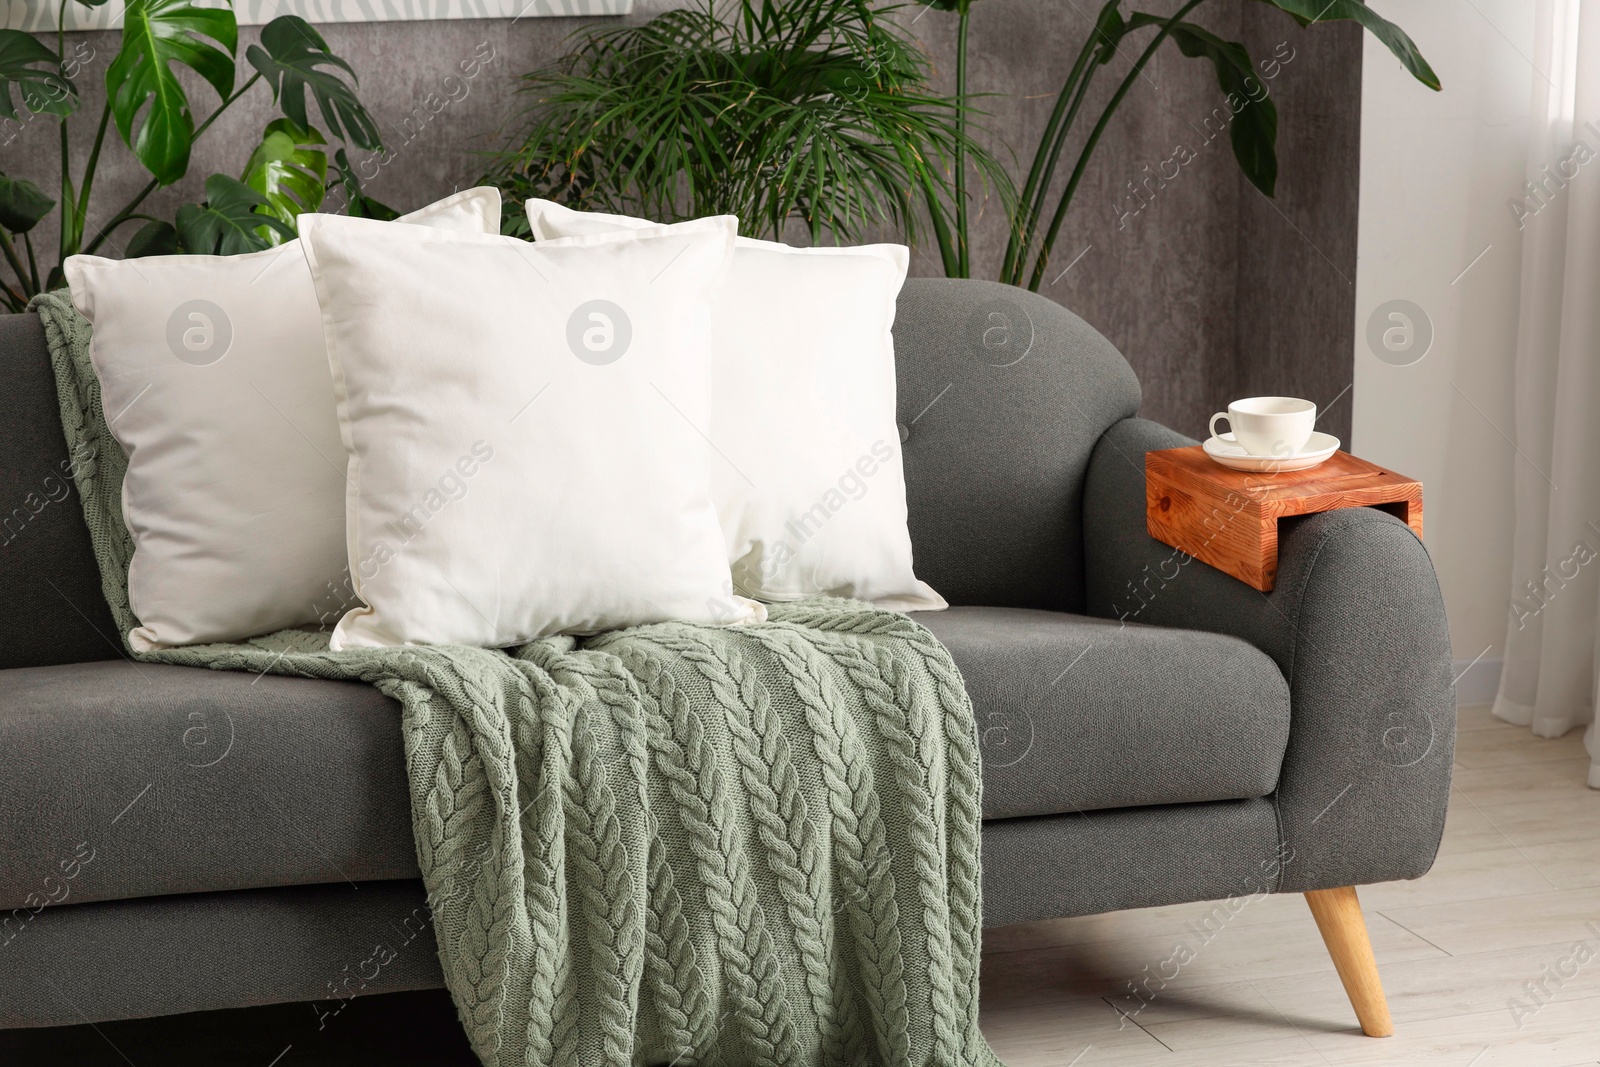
(1356, 623)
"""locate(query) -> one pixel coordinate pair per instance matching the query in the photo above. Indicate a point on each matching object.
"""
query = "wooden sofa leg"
(1344, 931)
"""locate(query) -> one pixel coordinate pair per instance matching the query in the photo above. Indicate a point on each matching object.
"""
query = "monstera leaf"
(154, 238)
(22, 204)
(358, 205)
(140, 81)
(36, 71)
(1395, 39)
(1253, 130)
(292, 57)
(289, 171)
(228, 222)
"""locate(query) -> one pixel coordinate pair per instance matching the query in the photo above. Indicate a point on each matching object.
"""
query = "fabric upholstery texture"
(50, 589)
(184, 780)
(1140, 858)
(217, 380)
(828, 518)
(168, 955)
(1356, 624)
(165, 955)
(263, 781)
(568, 798)
(522, 425)
(1002, 396)
(1077, 713)
(596, 892)
(994, 463)
(1354, 802)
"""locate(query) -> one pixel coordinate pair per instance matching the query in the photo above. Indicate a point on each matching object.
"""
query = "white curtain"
(1549, 680)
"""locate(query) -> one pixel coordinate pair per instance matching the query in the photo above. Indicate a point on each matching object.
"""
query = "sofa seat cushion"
(182, 780)
(1078, 713)
(128, 780)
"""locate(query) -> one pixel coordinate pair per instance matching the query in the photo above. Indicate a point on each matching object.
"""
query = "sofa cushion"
(127, 780)
(1002, 396)
(182, 780)
(1076, 713)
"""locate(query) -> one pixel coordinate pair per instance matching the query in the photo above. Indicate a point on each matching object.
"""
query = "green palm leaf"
(1253, 131)
(1393, 37)
(810, 110)
(36, 72)
(140, 81)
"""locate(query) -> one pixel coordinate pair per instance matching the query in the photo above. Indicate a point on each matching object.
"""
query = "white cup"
(1269, 426)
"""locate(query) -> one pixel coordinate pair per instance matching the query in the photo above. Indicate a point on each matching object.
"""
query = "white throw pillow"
(214, 378)
(524, 427)
(808, 479)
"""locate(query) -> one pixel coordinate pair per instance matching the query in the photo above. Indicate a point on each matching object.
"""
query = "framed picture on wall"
(40, 15)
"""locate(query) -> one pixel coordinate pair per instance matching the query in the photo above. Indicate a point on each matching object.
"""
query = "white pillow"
(214, 378)
(524, 430)
(808, 477)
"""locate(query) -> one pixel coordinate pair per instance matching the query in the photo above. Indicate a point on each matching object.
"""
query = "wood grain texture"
(1344, 931)
(1229, 519)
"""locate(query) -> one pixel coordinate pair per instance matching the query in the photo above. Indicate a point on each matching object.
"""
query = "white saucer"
(1228, 452)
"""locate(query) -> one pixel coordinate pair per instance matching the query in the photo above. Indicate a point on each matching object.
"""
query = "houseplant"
(816, 110)
(288, 172)
(820, 110)
(1253, 130)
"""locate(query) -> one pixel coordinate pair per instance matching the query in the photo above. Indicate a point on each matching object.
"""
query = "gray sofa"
(1154, 732)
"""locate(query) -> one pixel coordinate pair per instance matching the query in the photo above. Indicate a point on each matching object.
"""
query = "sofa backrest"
(1002, 395)
(51, 607)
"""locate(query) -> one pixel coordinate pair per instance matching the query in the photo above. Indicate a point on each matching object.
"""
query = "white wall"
(1436, 172)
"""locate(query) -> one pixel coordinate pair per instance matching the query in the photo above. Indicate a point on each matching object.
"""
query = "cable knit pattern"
(666, 845)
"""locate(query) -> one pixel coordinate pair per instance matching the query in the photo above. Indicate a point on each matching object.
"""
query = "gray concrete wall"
(1208, 288)
(1295, 304)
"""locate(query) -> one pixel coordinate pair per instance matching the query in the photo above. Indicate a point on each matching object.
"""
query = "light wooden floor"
(1515, 889)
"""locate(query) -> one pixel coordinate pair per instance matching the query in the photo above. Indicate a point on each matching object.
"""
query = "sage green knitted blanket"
(666, 845)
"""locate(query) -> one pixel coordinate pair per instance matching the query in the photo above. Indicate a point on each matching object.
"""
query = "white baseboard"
(1476, 683)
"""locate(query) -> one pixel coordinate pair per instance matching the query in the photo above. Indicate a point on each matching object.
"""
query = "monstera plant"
(288, 173)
